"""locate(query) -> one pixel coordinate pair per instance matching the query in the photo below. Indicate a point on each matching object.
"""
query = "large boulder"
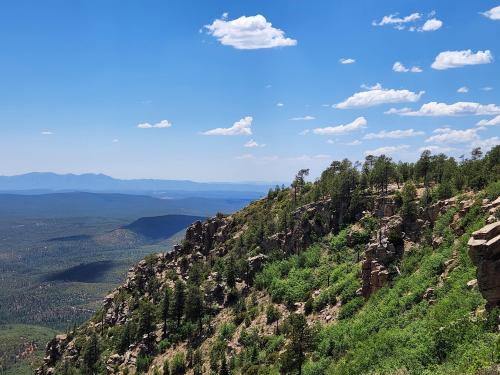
(484, 250)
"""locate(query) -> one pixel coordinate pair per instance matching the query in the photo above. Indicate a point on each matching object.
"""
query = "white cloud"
(458, 59)
(46, 132)
(431, 25)
(304, 132)
(487, 88)
(241, 127)
(163, 124)
(463, 90)
(251, 144)
(115, 140)
(436, 149)
(322, 156)
(493, 13)
(387, 150)
(347, 61)
(443, 109)
(394, 134)
(354, 143)
(394, 19)
(447, 135)
(486, 144)
(280, 104)
(252, 32)
(494, 121)
(379, 96)
(400, 68)
(304, 118)
(357, 124)
(245, 157)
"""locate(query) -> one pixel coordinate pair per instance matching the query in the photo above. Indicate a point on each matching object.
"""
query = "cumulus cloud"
(400, 68)
(394, 134)
(394, 19)
(494, 121)
(357, 124)
(253, 32)
(304, 118)
(448, 135)
(377, 96)
(431, 25)
(163, 124)
(443, 109)
(463, 90)
(252, 143)
(347, 61)
(458, 59)
(493, 13)
(241, 127)
(387, 150)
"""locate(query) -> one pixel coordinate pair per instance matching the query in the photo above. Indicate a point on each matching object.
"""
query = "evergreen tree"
(300, 341)
(91, 354)
(178, 301)
(146, 317)
(194, 303)
(165, 309)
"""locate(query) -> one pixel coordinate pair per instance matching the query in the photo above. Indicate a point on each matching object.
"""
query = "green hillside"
(365, 271)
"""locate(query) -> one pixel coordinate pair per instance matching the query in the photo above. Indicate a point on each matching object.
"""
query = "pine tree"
(300, 341)
(178, 301)
(165, 309)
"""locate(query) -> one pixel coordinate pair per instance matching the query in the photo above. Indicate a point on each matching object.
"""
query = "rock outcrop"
(484, 250)
(309, 222)
(385, 247)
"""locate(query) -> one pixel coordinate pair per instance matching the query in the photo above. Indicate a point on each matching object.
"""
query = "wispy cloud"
(304, 118)
(163, 124)
(46, 132)
(394, 19)
(458, 59)
(435, 109)
(493, 122)
(280, 104)
(387, 150)
(241, 127)
(357, 124)
(463, 90)
(394, 134)
(252, 144)
(253, 32)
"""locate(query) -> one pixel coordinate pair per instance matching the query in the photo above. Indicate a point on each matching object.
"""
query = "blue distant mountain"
(44, 182)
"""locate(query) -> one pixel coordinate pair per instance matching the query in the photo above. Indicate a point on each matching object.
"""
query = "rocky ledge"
(484, 250)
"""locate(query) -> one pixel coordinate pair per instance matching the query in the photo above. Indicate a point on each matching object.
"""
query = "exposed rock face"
(384, 248)
(54, 351)
(484, 250)
(310, 222)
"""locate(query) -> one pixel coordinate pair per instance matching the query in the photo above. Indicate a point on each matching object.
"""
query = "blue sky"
(136, 88)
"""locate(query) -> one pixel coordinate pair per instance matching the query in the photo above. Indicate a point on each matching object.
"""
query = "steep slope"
(330, 277)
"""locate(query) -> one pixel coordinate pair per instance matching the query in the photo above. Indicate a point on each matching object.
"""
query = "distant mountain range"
(111, 205)
(43, 182)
